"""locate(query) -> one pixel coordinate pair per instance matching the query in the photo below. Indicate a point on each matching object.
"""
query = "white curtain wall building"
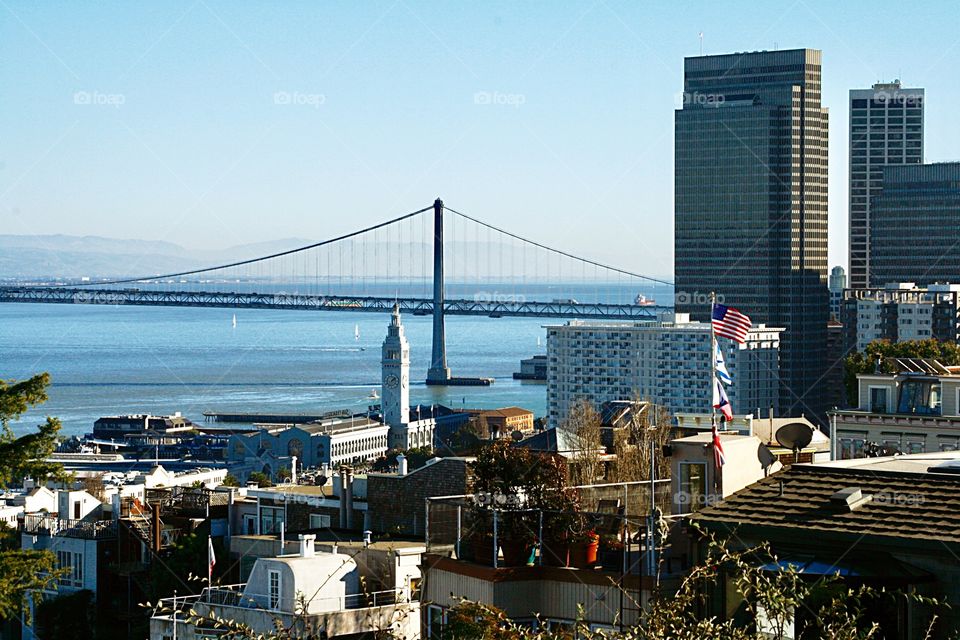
(668, 363)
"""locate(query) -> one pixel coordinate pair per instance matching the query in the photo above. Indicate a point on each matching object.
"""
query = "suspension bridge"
(452, 265)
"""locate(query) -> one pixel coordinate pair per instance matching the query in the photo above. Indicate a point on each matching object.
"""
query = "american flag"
(730, 323)
(718, 458)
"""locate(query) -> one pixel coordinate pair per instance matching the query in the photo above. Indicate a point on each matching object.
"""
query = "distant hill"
(60, 256)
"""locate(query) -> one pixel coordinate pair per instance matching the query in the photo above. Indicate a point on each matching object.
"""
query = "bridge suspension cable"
(558, 251)
(279, 254)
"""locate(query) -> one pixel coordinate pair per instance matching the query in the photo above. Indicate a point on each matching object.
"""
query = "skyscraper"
(886, 128)
(751, 203)
(914, 232)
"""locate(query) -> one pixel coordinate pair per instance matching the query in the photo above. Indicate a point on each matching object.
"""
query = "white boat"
(356, 332)
(373, 395)
(234, 321)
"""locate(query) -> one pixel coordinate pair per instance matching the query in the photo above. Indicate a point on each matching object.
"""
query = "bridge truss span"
(308, 302)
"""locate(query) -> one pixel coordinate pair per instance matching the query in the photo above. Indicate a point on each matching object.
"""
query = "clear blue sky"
(214, 123)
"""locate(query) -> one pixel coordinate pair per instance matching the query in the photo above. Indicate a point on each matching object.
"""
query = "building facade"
(913, 225)
(667, 363)
(751, 203)
(910, 412)
(886, 128)
(901, 311)
(838, 282)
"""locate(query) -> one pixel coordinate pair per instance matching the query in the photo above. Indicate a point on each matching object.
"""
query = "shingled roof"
(901, 506)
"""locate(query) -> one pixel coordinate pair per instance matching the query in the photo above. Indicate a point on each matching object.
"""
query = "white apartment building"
(900, 311)
(668, 363)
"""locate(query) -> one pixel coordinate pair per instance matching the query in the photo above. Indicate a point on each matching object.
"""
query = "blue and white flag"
(722, 374)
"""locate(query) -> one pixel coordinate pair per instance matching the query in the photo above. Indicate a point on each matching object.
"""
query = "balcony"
(53, 526)
(346, 615)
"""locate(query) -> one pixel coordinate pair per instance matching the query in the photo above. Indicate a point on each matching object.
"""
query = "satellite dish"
(794, 436)
(517, 435)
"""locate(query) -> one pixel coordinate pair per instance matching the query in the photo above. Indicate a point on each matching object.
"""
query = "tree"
(879, 355)
(648, 431)
(260, 478)
(24, 572)
(230, 480)
(583, 422)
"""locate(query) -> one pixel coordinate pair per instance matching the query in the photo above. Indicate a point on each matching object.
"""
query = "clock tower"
(395, 380)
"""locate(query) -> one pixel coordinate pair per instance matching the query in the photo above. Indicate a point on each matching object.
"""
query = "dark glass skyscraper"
(751, 204)
(915, 225)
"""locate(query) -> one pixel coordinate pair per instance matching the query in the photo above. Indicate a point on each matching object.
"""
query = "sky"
(213, 123)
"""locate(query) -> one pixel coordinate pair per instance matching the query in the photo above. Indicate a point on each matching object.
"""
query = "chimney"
(293, 470)
(306, 545)
(155, 526)
(401, 464)
(343, 497)
(349, 492)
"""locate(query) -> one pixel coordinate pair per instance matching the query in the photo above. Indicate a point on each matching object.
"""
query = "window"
(436, 619)
(878, 400)
(273, 579)
(920, 396)
(319, 521)
(73, 562)
(693, 486)
(270, 519)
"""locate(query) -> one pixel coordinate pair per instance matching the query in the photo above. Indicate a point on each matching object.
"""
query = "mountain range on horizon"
(64, 256)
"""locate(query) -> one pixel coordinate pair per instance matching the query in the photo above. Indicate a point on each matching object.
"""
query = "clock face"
(392, 381)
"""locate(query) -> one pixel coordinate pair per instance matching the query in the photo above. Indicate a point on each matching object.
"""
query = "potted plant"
(611, 553)
(512, 484)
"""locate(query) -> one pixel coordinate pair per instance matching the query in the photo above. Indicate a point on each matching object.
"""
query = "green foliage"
(26, 456)
(22, 572)
(68, 616)
(416, 458)
(260, 478)
(465, 441)
(283, 474)
(948, 353)
(230, 480)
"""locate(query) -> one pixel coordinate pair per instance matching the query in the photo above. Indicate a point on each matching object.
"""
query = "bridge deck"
(304, 302)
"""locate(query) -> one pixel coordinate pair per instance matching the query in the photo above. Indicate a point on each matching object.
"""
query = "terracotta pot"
(516, 553)
(583, 554)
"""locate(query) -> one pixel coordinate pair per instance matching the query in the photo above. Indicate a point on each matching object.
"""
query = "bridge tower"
(439, 373)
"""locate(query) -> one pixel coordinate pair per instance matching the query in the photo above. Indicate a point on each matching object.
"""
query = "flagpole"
(713, 360)
(209, 563)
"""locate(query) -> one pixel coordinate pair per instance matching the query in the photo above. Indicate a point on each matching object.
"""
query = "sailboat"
(538, 341)
(234, 321)
(373, 395)
(356, 332)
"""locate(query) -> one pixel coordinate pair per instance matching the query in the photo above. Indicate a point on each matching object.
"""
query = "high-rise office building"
(914, 234)
(838, 282)
(886, 128)
(751, 203)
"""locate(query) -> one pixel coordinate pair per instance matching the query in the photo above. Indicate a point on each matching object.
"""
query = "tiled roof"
(914, 506)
